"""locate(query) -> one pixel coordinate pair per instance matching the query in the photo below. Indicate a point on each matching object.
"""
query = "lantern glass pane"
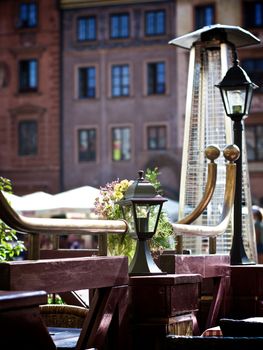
(249, 98)
(235, 100)
(147, 216)
(128, 216)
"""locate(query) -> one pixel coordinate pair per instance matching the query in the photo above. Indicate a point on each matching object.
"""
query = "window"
(254, 139)
(254, 69)
(87, 145)
(87, 82)
(120, 80)
(253, 14)
(119, 26)
(156, 137)
(156, 78)
(121, 144)
(27, 15)
(204, 16)
(86, 28)
(27, 138)
(155, 23)
(28, 72)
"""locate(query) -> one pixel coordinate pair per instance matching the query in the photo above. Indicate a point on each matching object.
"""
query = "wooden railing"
(56, 227)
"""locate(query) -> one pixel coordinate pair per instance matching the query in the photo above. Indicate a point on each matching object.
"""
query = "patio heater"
(211, 54)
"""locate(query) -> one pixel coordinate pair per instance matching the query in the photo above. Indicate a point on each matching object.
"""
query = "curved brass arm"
(212, 152)
(57, 226)
(231, 153)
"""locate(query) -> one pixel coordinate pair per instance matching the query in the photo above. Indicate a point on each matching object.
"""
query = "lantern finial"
(141, 173)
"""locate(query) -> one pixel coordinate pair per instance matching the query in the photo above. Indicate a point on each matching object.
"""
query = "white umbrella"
(77, 198)
(37, 201)
(171, 207)
(14, 201)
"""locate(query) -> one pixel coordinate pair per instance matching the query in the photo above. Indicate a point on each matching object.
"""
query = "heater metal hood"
(234, 34)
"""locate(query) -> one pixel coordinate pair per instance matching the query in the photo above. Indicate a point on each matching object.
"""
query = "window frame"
(87, 79)
(24, 84)
(122, 159)
(157, 128)
(86, 37)
(21, 142)
(248, 8)
(252, 73)
(256, 138)
(152, 88)
(155, 31)
(119, 34)
(95, 141)
(25, 24)
(200, 23)
(121, 84)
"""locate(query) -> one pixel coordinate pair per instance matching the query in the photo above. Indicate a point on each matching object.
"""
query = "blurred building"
(30, 95)
(119, 92)
(90, 91)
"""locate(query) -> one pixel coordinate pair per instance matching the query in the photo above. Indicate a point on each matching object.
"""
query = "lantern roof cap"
(233, 34)
(236, 76)
(141, 189)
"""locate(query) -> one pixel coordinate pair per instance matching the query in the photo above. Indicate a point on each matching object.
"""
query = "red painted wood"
(164, 296)
(61, 275)
(247, 291)
(11, 300)
(214, 268)
(21, 326)
(205, 265)
(105, 305)
(66, 253)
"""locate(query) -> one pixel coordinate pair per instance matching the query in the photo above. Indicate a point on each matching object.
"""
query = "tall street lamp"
(236, 91)
(141, 208)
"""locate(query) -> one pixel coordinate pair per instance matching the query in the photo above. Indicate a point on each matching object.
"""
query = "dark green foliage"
(10, 246)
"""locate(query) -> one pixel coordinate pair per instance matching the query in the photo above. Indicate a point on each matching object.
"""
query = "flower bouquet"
(106, 208)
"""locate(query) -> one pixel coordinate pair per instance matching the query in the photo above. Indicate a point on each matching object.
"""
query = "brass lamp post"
(141, 208)
(236, 91)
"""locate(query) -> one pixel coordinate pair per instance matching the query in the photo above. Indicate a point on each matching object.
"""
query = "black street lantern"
(141, 208)
(236, 91)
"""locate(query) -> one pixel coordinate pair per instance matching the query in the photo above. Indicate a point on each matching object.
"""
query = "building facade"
(100, 94)
(119, 92)
(30, 95)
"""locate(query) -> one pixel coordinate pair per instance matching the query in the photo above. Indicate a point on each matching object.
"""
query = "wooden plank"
(206, 265)
(105, 305)
(164, 296)
(21, 326)
(61, 275)
(12, 300)
(67, 253)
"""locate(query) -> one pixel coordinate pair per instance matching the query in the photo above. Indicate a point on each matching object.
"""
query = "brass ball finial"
(231, 153)
(212, 152)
